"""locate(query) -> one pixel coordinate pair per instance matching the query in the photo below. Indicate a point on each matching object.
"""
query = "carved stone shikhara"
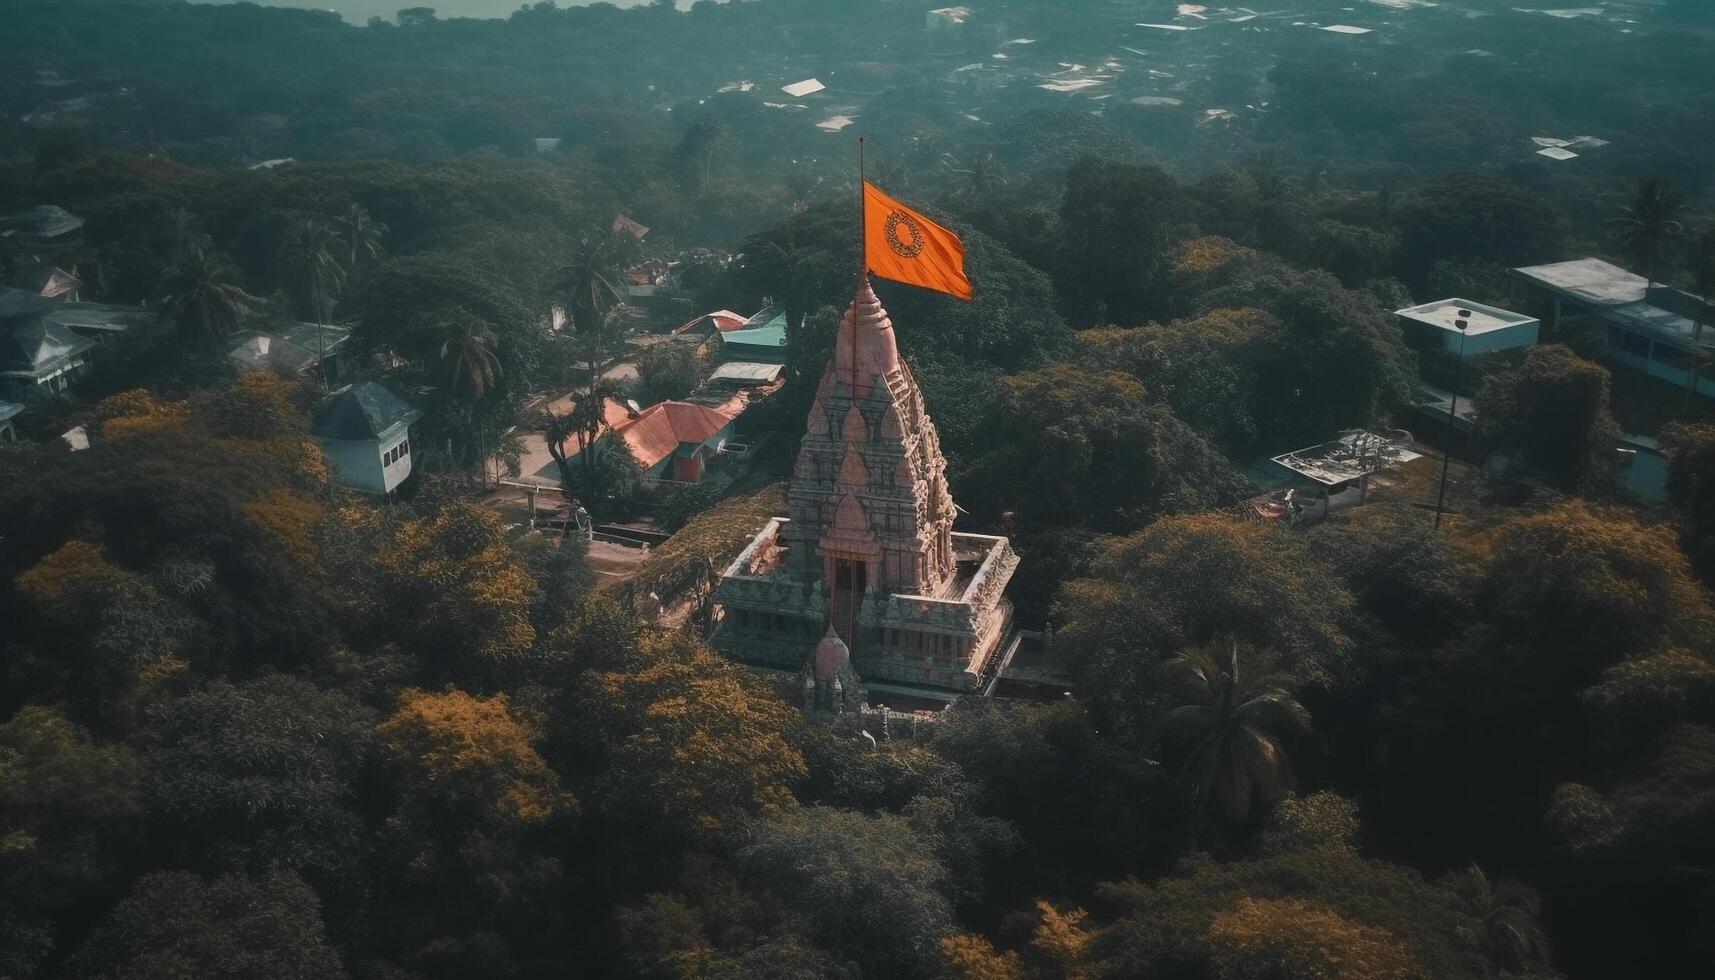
(868, 547)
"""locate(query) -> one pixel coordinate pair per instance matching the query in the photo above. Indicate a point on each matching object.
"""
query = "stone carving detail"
(870, 487)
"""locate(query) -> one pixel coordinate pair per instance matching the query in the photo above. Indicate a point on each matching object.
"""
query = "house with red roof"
(669, 440)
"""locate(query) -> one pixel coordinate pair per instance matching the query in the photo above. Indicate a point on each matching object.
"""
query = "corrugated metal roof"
(37, 347)
(362, 411)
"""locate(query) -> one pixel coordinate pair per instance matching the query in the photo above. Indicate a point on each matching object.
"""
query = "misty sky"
(358, 11)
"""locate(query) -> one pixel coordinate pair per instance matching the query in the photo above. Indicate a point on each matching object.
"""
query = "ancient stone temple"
(867, 547)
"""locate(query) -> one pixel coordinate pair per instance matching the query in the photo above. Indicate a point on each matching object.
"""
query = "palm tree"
(1507, 915)
(203, 295)
(468, 350)
(312, 256)
(1703, 277)
(1229, 735)
(362, 235)
(1651, 223)
(557, 430)
(590, 284)
(981, 171)
(586, 420)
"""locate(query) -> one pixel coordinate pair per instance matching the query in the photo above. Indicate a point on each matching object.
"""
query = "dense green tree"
(175, 924)
(1477, 216)
(1229, 739)
(1552, 415)
(1120, 223)
(1189, 580)
(668, 372)
(865, 888)
(1650, 226)
(261, 776)
(1093, 450)
(1691, 486)
(203, 297)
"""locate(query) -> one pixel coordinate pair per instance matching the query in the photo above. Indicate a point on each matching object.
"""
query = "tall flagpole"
(863, 262)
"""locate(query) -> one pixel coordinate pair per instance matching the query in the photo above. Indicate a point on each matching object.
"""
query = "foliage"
(668, 372)
(478, 752)
(690, 747)
(1291, 938)
(1552, 414)
(469, 595)
(1229, 738)
(1691, 486)
(175, 924)
(698, 552)
(1096, 452)
(1188, 580)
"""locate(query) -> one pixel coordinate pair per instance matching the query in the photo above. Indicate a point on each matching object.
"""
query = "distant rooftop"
(1623, 298)
(42, 221)
(1482, 319)
(747, 373)
(38, 349)
(1590, 280)
(362, 412)
(1356, 454)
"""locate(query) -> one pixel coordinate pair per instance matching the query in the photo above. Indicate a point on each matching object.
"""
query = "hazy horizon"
(359, 11)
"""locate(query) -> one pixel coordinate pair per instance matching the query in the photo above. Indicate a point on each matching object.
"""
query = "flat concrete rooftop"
(1482, 319)
(1590, 280)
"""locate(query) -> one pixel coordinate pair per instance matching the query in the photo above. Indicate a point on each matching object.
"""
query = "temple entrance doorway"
(851, 578)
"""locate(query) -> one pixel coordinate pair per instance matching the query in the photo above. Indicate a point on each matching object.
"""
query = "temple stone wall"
(868, 547)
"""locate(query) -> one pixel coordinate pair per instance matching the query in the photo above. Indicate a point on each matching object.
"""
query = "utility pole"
(1452, 411)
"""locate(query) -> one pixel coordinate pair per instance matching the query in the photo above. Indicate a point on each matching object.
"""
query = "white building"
(1487, 328)
(365, 433)
(1651, 328)
(947, 18)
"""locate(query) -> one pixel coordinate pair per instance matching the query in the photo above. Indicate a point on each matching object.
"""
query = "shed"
(364, 430)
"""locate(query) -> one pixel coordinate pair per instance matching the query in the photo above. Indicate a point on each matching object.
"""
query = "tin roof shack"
(8, 412)
(43, 225)
(1333, 475)
(762, 339)
(365, 432)
(35, 352)
(292, 349)
(1656, 330)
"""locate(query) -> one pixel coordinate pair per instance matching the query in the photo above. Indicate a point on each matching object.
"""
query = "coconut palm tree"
(362, 236)
(1229, 734)
(202, 294)
(312, 254)
(981, 171)
(1703, 276)
(586, 420)
(468, 350)
(1506, 914)
(1650, 225)
(591, 286)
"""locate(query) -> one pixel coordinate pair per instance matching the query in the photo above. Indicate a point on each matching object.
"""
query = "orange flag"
(904, 246)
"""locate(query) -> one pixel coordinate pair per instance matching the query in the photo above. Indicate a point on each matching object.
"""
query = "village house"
(761, 338)
(674, 441)
(35, 352)
(294, 348)
(8, 412)
(365, 432)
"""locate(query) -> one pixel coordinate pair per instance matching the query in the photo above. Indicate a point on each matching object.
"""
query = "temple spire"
(865, 347)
